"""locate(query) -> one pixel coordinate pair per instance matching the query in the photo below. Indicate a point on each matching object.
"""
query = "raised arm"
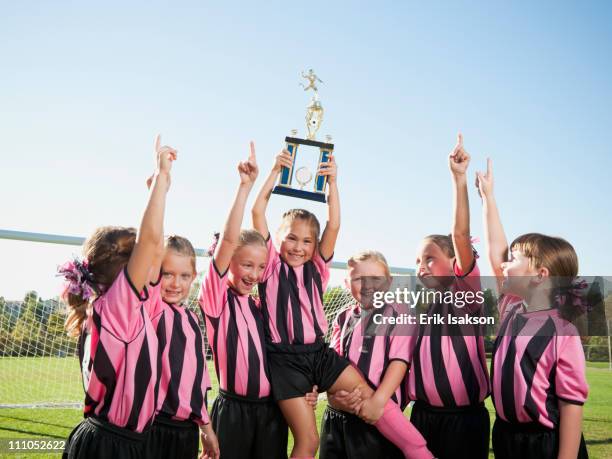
(151, 232)
(458, 162)
(283, 159)
(158, 258)
(497, 245)
(228, 241)
(330, 233)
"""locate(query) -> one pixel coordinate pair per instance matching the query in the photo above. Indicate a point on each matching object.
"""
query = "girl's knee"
(308, 443)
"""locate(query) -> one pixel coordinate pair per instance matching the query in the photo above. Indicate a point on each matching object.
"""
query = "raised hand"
(484, 181)
(329, 168)
(283, 159)
(165, 155)
(248, 169)
(459, 159)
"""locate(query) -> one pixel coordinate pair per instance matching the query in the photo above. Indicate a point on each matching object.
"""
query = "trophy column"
(286, 176)
(321, 180)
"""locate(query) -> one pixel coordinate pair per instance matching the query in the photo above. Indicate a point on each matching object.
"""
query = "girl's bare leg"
(301, 420)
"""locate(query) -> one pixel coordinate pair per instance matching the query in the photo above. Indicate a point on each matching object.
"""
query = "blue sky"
(85, 88)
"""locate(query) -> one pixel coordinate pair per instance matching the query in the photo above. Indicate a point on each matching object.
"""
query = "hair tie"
(475, 240)
(78, 278)
(575, 294)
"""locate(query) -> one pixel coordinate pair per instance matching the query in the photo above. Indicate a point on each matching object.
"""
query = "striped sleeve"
(323, 267)
(335, 341)
(468, 282)
(570, 377)
(401, 347)
(273, 258)
(213, 292)
(120, 308)
(153, 306)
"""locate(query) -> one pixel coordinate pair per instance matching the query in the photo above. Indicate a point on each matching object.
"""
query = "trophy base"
(309, 195)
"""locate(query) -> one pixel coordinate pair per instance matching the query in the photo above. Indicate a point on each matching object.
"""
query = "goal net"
(38, 361)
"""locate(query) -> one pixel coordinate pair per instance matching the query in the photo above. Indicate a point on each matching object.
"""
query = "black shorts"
(456, 433)
(294, 369)
(249, 428)
(528, 440)
(169, 438)
(345, 436)
(94, 438)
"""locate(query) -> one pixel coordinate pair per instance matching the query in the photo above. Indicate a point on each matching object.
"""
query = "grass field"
(56, 423)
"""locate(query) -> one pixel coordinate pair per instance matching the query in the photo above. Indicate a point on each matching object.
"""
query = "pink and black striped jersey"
(118, 356)
(449, 364)
(371, 347)
(235, 329)
(537, 361)
(184, 378)
(292, 299)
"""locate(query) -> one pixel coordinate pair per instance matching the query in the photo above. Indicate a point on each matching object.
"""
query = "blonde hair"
(182, 246)
(107, 251)
(301, 214)
(250, 237)
(372, 255)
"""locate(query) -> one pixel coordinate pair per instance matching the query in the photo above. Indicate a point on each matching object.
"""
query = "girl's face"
(364, 279)
(247, 267)
(298, 243)
(433, 264)
(519, 276)
(177, 276)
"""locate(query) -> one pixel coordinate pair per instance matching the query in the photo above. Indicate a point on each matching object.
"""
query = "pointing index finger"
(157, 141)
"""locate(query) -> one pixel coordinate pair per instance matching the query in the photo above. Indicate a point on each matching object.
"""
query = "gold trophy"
(303, 174)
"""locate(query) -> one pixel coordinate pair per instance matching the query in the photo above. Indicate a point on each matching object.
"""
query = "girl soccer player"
(117, 343)
(184, 380)
(294, 280)
(381, 353)
(538, 365)
(448, 379)
(246, 420)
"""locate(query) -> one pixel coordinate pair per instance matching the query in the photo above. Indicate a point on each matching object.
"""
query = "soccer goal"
(38, 361)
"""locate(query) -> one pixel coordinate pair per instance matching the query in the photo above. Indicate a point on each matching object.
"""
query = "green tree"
(27, 331)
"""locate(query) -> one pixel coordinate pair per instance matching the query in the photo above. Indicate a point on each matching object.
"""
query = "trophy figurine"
(303, 174)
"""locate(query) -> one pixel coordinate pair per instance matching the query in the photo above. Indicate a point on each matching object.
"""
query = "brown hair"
(301, 214)
(107, 251)
(182, 246)
(445, 242)
(370, 255)
(555, 254)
